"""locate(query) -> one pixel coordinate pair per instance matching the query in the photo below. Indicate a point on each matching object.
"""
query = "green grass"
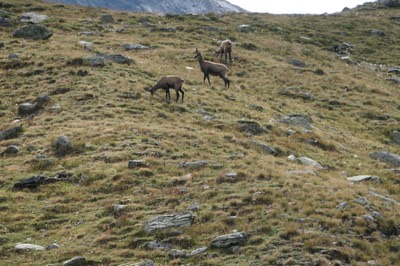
(290, 211)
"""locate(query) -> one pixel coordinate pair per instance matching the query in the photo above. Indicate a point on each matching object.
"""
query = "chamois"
(225, 48)
(166, 83)
(211, 68)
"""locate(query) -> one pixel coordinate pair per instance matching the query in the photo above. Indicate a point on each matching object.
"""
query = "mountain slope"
(161, 6)
(296, 161)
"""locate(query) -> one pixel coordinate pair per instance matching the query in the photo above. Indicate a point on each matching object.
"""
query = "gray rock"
(251, 127)
(95, 61)
(87, 33)
(379, 33)
(309, 162)
(230, 240)
(176, 253)
(29, 247)
(107, 19)
(194, 165)
(31, 182)
(390, 3)
(32, 18)
(76, 261)
(5, 22)
(42, 100)
(11, 133)
(53, 246)
(63, 145)
(134, 46)
(159, 245)
(395, 70)
(197, 251)
(299, 120)
(387, 157)
(34, 32)
(244, 28)
(13, 56)
(396, 137)
(137, 163)
(167, 221)
(343, 205)
(118, 58)
(27, 109)
(296, 62)
(10, 150)
(117, 208)
(206, 115)
(168, 29)
(384, 198)
(264, 148)
(361, 178)
(362, 201)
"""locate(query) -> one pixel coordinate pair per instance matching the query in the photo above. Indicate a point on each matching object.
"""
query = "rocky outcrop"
(387, 157)
(35, 32)
(167, 221)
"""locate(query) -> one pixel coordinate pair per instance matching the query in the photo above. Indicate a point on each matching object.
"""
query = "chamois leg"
(183, 93)
(226, 80)
(205, 76)
(230, 57)
(167, 95)
(177, 95)
(208, 78)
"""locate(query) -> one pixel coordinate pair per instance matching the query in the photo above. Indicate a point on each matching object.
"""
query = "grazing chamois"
(211, 68)
(166, 83)
(225, 49)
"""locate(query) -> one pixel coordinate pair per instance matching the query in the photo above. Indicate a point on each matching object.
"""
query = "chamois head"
(150, 89)
(197, 53)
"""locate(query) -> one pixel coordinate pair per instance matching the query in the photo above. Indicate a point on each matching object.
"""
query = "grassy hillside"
(295, 214)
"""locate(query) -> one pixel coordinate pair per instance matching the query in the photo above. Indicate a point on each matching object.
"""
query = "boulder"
(296, 62)
(31, 182)
(230, 240)
(264, 148)
(167, 221)
(106, 19)
(387, 157)
(379, 33)
(137, 163)
(251, 127)
(34, 32)
(390, 3)
(118, 58)
(27, 109)
(299, 120)
(10, 150)
(244, 28)
(134, 46)
(396, 137)
(361, 178)
(63, 145)
(194, 165)
(11, 133)
(29, 247)
(310, 162)
(76, 261)
(5, 22)
(32, 18)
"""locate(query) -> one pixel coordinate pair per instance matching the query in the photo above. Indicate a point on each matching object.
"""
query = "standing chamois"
(225, 48)
(210, 68)
(166, 83)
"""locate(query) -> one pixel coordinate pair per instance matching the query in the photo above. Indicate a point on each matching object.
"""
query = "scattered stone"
(249, 46)
(117, 208)
(168, 29)
(32, 18)
(387, 157)
(31, 182)
(194, 207)
(209, 28)
(11, 133)
(301, 172)
(362, 201)
(10, 150)
(76, 261)
(42, 100)
(244, 28)
(87, 33)
(396, 137)
(166, 221)
(60, 91)
(395, 70)
(158, 245)
(53, 246)
(342, 205)
(134, 46)
(5, 22)
(63, 145)
(299, 120)
(34, 32)
(387, 199)
(296, 62)
(264, 148)
(175, 253)
(197, 251)
(256, 107)
(118, 58)
(297, 93)
(86, 45)
(230, 240)
(310, 162)
(206, 115)
(137, 163)
(378, 33)
(361, 178)
(372, 263)
(94, 61)
(28, 247)
(291, 157)
(194, 165)
(107, 19)
(27, 109)
(251, 127)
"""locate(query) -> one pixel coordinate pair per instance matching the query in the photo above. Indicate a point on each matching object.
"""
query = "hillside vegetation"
(313, 101)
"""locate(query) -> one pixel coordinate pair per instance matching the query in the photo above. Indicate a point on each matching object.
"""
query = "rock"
(197, 251)
(95, 61)
(387, 157)
(379, 33)
(117, 208)
(5, 22)
(118, 58)
(230, 240)
(361, 178)
(137, 163)
(395, 70)
(264, 148)
(107, 19)
(34, 32)
(390, 3)
(168, 29)
(159, 245)
(256, 107)
(42, 100)
(251, 127)
(209, 28)
(143, 263)
(11, 133)
(386, 199)
(87, 33)
(194, 165)
(362, 201)
(396, 137)
(10, 150)
(76, 261)
(27, 109)
(299, 120)
(166, 221)
(309, 162)
(206, 115)
(53, 246)
(291, 157)
(86, 45)
(343, 205)
(134, 46)
(63, 145)
(28, 247)
(32, 18)
(176, 253)
(244, 28)
(296, 62)
(31, 182)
